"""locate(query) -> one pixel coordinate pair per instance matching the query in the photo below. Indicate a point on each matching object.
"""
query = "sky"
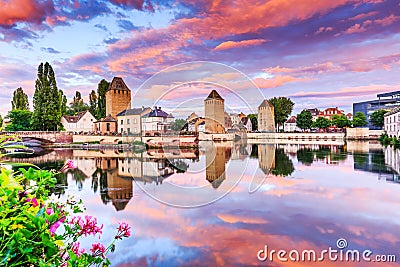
(319, 53)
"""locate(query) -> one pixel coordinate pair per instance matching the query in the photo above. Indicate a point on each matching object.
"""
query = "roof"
(292, 119)
(170, 115)
(157, 112)
(392, 94)
(133, 111)
(76, 118)
(314, 111)
(118, 84)
(214, 95)
(393, 111)
(109, 118)
(265, 104)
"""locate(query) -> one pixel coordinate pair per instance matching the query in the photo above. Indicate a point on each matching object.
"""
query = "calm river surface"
(309, 196)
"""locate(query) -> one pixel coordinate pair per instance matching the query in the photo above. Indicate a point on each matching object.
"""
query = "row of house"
(392, 122)
(291, 124)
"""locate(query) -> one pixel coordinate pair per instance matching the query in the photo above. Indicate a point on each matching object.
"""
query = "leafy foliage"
(101, 99)
(77, 105)
(254, 121)
(48, 101)
(304, 119)
(322, 123)
(20, 120)
(377, 118)
(340, 121)
(359, 119)
(283, 107)
(178, 125)
(20, 100)
(30, 220)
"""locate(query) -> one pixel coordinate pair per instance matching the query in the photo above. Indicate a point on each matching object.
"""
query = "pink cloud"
(12, 12)
(324, 29)
(388, 20)
(364, 15)
(235, 44)
(372, 89)
(277, 81)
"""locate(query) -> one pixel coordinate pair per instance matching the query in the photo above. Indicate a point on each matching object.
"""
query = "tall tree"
(101, 99)
(77, 105)
(178, 125)
(322, 123)
(20, 120)
(93, 103)
(340, 121)
(304, 119)
(283, 106)
(359, 119)
(377, 118)
(47, 100)
(254, 121)
(20, 100)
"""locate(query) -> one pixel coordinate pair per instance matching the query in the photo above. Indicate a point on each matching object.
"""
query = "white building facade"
(392, 122)
(82, 122)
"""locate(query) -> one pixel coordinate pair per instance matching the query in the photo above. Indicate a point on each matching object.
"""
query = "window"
(128, 121)
(134, 120)
(122, 130)
(108, 127)
(135, 130)
(122, 122)
(129, 130)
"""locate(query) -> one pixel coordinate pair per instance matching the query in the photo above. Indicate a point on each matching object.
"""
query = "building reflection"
(266, 157)
(217, 155)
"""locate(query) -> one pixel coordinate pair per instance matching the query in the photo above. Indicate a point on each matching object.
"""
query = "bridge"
(46, 137)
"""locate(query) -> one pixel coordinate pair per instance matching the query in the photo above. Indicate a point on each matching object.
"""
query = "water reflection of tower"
(216, 158)
(115, 188)
(266, 157)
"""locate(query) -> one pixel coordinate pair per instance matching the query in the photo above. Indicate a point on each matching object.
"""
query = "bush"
(40, 230)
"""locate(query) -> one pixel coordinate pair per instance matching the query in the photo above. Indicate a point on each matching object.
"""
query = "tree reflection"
(283, 165)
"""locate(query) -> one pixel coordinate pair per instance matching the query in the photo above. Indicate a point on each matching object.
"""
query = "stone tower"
(266, 121)
(214, 113)
(118, 97)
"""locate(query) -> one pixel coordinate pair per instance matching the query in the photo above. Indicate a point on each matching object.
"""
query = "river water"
(226, 204)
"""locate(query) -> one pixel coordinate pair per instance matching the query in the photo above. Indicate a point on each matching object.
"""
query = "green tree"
(178, 124)
(283, 107)
(340, 121)
(1, 122)
(304, 119)
(101, 99)
(48, 101)
(322, 123)
(77, 105)
(254, 121)
(93, 103)
(20, 120)
(20, 100)
(359, 119)
(377, 118)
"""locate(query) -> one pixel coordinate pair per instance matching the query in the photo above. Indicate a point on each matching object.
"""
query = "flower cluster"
(87, 226)
(41, 229)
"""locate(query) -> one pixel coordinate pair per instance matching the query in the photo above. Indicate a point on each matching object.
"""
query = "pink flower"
(123, 230)
(53, 227)
(68, 165)
(49, 211)
(33, 201)
(87, 226)
(98, 249)
(76, 250)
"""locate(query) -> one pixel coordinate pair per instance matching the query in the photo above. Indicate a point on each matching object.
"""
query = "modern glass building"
(385, 101)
